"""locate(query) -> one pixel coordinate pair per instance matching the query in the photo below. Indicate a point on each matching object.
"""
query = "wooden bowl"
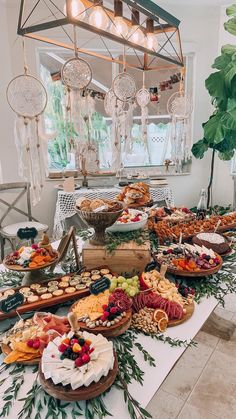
(201, 273)
(189, 312)
(109, 332)
(66, 393)
(37, 268)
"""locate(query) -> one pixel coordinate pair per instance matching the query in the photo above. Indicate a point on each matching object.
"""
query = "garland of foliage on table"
(218, 285)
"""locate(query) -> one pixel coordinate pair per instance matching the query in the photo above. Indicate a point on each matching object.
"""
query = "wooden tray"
(109, 332)
(6, 350)
(201, 273)
(65, 393)
(41, 304)
(19, 268)
(189, 312)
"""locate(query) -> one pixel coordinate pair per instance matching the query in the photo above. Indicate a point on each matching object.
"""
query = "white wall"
(199, 30)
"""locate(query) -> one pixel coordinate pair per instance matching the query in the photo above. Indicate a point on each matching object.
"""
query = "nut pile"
(103, 323)
(143, 320)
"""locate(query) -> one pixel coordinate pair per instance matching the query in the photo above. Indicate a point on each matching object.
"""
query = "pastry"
(35, 286)
(95, 277)
(80, 286)
(95, 272)
(85, 274)
(51, 283)
(65, 278)
(46, 296)
(64, 284)
(52, 288)
(57, 293)
(104, 271)
(7, 293)
(42, 290)
(70, 290)
(74, 282)
(32, 298)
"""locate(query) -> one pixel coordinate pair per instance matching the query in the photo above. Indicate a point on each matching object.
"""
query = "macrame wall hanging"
(180, 108)
(27, 97)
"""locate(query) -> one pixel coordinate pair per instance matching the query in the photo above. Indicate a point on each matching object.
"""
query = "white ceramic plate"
(131, 226)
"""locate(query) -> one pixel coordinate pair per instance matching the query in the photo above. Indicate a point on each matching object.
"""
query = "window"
(63, 152)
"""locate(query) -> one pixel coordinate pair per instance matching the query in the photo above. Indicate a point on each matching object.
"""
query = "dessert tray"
(189, 260)
(106, 313)
(49, 293)
(78, 366)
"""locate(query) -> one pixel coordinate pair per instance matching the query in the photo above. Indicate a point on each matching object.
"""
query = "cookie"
(104, 271)
(24, 289)
(35, 286)
(70, 290)
(52, 288)
(27, 294)
(65, 278)
(8, 292)
(95, 277)
(52, 283)
(80, 287)
(57, 293)
(42, 290)
(85, 274)
(95, 272)
(46, 296)
(64, 284)
(32, 298)
(74, 282)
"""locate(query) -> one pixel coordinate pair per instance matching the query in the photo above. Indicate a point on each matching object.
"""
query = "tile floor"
(202, 385)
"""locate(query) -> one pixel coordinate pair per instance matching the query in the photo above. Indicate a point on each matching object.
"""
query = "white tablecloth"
(164, 355)
(65, 206)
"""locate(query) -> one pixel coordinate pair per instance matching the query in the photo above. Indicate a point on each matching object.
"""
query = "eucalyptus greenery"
(220, 129)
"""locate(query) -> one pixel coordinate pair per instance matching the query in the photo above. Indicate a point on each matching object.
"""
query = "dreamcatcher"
(76, 74)
(27, 97)
(180, 108)
(143, 99)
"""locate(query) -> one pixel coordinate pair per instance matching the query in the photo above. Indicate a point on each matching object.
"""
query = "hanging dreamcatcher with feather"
(27, 97)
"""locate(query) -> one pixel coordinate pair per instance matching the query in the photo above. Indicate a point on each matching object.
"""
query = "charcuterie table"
(144, 361)
(65, 205)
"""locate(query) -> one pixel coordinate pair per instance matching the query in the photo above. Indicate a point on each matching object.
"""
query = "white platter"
(131, 226)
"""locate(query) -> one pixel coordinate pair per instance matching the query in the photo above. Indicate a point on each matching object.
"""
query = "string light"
(136, 35)
(77, 9)
(119, 27)
(98, 17)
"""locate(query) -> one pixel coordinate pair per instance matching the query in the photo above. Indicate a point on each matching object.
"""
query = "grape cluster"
(130, 286)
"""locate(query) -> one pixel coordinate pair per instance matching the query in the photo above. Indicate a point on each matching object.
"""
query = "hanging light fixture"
(119, 27)
(77, 9)
(151, 40)
(136, 34)
(98, 16)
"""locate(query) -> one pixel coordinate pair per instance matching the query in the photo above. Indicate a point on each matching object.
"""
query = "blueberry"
(165, 252)
(62, 356)
(81, 342)
(74, 356)
(207, 257)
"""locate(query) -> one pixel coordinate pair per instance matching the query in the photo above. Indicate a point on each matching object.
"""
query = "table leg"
(219, 327)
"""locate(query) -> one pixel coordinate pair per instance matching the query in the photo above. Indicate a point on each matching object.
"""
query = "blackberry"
(74, 356)
(81, 342)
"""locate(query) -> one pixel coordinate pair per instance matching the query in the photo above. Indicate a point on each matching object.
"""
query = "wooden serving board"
(19, 268)
(201, 273)
(189, 312)
(65, 393)
(109, 332)
(41, 304)
(6, 350)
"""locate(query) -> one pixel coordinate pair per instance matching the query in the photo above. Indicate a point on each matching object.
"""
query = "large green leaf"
(229, 73)
(231, 10)
(228, 49)
(221, 62)
(228, 120)
(228, 155)
(231, 104)
(215, 84)
(228, 144)
(214, 130)
(230, 26)
(199, 149)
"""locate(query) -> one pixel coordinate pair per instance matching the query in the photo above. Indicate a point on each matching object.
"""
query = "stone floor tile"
(192, 412)
(225, 314)
(206, 339)
(164, 405)
(230, 302)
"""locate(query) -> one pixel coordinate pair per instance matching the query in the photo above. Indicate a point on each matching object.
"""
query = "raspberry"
(62, 347)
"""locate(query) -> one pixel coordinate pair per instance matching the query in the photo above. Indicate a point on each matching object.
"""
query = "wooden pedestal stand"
(127, 258)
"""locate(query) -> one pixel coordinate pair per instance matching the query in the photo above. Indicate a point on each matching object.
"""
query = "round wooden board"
(109, 332)
(201, 273)
(65, 393)
(19, 268)
(6, 350)
(189, 312)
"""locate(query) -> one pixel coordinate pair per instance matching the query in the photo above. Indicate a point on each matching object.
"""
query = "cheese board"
(188, 314)
(6, 350)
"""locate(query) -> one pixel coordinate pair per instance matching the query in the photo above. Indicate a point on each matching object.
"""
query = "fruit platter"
(189, 260)
(129, 220)
(37, 296)
(108, 313)
(164, 299)
(135, 195)
(25, 341)
(173, 214)
(167, 230)
(78, 366)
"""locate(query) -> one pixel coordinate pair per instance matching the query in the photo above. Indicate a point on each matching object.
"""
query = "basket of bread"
(135, 195)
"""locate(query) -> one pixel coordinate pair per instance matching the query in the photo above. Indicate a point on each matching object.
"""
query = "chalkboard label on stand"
(100, 286)
(11, 303)
(27, 233)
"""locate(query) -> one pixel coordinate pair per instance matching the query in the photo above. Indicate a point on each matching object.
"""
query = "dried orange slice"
(159, 314)
(162, 324)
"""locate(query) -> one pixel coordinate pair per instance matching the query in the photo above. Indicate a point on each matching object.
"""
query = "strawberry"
(79, 362)
(85, 358)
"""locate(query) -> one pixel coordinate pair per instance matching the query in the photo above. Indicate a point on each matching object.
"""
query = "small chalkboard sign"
(100, 286)
(27, 233)
(11, 302)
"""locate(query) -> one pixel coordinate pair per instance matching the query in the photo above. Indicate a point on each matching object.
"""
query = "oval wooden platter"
(109, 332)
(6, 350)
(201, 273)
(19, 268)
(65, 393)
(189, 312)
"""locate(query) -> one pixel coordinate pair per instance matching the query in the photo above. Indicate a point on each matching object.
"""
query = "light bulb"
(99, 18)
(151, 42)
(77, 9)
(136, 35)
(119, 27)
